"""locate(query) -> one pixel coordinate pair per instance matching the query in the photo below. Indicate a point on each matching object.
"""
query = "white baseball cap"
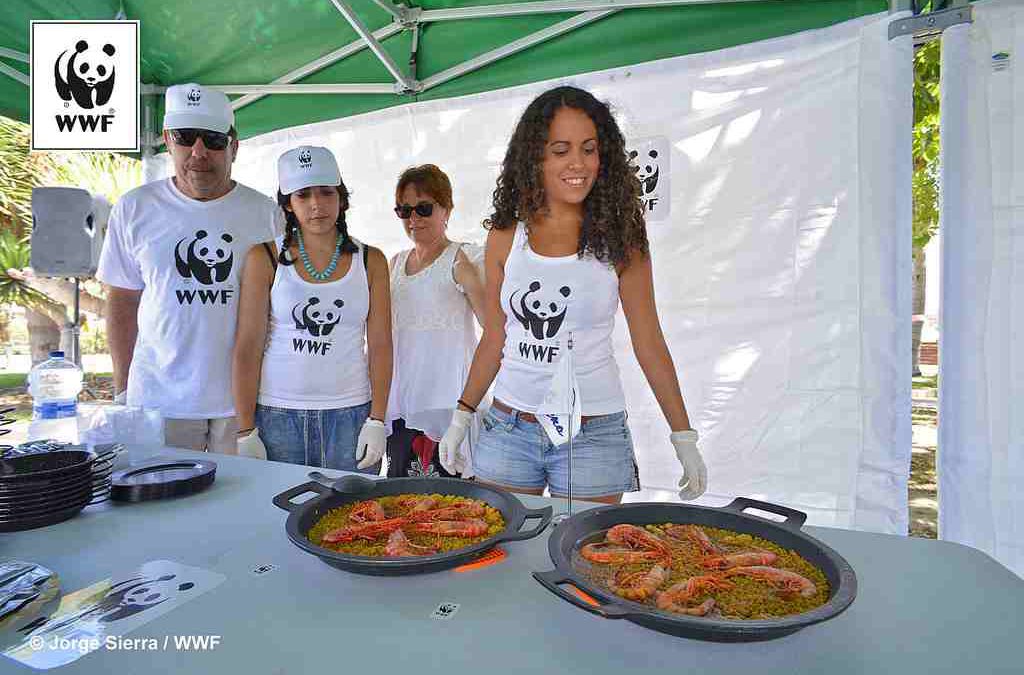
(306, 166)
(192, 106)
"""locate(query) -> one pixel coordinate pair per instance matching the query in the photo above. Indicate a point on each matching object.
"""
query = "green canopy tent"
(293, 62)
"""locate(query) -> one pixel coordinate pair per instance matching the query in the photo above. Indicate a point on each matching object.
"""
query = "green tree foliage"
(926, 142)
(20, 171)
(14, 254)
(103, 173)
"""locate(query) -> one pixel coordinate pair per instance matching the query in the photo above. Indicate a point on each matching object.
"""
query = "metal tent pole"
(321, 63)
(572, 404)
(374, 45)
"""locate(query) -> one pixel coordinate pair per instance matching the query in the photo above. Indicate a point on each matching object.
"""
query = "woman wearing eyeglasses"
(312, 359)
(435, 291)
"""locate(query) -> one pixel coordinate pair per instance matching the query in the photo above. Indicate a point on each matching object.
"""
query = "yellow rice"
(338, 517)
(748, 599)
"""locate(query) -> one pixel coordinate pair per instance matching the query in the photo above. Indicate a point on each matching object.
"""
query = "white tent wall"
(782, 265)
(981, 382)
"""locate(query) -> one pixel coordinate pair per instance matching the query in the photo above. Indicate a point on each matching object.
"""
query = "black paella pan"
(568, 536)
(355, 488)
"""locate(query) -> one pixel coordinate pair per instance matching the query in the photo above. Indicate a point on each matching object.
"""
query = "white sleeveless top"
(434, 340)
(544, 299)
(316, 340)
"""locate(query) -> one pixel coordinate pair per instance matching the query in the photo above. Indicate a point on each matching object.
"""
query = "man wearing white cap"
(172, 260)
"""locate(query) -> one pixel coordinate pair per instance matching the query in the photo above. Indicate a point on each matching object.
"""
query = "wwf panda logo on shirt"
(84, 70)
(205, 258)
(540, 311)
(315, 320)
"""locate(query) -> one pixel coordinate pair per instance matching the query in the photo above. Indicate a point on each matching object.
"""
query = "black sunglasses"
(423, 210)
(213, 140)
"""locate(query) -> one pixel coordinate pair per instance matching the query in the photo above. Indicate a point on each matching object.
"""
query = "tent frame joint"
(927, 27)
(409, 17)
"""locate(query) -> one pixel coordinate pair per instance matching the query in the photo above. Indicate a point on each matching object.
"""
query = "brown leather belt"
(525, 416)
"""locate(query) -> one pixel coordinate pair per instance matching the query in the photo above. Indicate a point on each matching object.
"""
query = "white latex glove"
(448, 448)
(463, 459)
(695, 474)
(121, 397)
(372, 442)
(251, 445)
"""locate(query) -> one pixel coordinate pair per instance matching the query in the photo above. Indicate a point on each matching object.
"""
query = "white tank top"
(316, 340)
(434, 340)
(544, 299)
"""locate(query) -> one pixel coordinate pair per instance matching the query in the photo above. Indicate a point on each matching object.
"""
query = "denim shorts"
(518, 454)
(321, 438)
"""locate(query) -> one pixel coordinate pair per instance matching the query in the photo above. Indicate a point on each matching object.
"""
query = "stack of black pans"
(48, 487)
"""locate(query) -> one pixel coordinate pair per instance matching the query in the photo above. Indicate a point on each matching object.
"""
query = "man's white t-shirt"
(186, 257)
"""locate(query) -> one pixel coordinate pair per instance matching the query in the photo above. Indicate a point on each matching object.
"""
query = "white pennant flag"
(561, 401)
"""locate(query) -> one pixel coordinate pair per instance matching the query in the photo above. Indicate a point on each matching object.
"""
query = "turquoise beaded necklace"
(308, 264)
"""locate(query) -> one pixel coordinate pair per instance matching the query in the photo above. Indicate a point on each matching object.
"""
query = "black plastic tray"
(162, 478)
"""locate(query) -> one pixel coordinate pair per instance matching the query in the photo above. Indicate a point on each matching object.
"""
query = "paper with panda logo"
(559, 414)
(101, 615)
(85, 85)
(649, 158)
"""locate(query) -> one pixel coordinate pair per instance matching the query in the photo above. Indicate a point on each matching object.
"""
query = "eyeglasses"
(423, 210)
(213, 140)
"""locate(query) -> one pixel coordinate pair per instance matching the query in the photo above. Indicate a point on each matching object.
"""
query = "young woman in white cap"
(312, 359)
(567, 245)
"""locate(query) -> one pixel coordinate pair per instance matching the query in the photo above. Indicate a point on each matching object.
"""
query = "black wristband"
(463, 403)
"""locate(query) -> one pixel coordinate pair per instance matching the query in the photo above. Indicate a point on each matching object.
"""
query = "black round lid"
(162, 478)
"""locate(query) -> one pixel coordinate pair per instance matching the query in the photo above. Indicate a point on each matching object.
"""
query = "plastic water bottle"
(54, 385)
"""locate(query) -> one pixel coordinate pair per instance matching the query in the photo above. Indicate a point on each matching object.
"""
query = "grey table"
(923, 606)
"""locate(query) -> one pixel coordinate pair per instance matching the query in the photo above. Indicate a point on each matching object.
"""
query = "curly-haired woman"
(312, 358)
(567, 244)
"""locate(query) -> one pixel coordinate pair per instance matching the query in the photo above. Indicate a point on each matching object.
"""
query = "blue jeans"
(321, 438)
(518, 454)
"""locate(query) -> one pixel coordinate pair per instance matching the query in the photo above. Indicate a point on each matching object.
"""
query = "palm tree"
(45, 300)
(43, 314)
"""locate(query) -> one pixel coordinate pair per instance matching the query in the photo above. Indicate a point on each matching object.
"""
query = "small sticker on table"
(265, 568)
(445, 610)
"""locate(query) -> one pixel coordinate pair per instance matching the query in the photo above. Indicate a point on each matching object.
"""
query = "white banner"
(981, 373)
(780, 231)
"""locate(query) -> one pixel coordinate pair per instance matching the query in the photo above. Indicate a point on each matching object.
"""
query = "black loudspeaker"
(68, 225)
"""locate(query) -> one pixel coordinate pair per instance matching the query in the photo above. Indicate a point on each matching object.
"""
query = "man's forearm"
(122, 330)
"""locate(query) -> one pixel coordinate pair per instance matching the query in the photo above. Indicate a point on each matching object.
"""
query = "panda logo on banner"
(649, 158)
(84, 85)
